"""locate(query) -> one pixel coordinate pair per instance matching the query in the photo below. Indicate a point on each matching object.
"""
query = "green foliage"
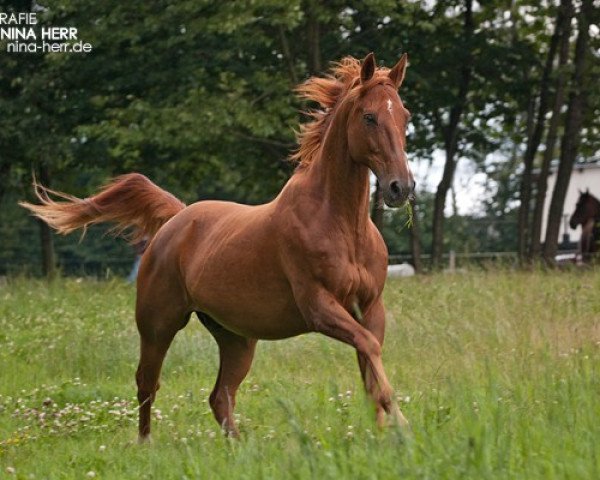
(497, 373)
(198, 94)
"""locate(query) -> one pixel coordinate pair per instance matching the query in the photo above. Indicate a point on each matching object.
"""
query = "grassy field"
(497, 372)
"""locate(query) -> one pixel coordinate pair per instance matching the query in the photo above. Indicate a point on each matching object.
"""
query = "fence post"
(452, 261)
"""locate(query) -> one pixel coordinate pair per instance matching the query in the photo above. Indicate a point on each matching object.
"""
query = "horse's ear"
(368, 68)
(397, 73)
(587, 191)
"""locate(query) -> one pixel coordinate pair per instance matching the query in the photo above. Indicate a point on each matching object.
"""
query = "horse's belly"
(262, 325)
(251, 313)
(248, 295)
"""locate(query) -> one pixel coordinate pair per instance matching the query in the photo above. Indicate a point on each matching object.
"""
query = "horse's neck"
(343, 182)
(596, 215)
(587, 235)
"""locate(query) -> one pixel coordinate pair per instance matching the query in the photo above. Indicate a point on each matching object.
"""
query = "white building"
(584, 176)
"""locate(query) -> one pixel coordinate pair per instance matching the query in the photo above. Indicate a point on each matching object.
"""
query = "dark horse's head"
(588, 207)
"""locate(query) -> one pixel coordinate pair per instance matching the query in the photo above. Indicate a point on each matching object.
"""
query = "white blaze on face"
(389, 106)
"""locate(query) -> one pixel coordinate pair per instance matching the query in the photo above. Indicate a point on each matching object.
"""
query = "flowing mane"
(327, 91)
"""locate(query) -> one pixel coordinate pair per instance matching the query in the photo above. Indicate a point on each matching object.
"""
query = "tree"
(535, 138)
(563, 25)
(450, 132)
(377, 207)
(571, 137)
(415, 238)
(198, 95)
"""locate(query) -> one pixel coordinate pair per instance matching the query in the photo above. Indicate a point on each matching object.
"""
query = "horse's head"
(377, 130)
(587, 207)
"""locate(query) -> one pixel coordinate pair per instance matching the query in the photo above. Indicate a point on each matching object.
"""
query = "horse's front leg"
(324, 314)
(374, 321)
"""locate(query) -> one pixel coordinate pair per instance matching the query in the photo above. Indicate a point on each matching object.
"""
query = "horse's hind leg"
(157, 327)
(235, 358)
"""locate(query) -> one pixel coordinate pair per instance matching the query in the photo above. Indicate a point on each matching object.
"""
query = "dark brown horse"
(309, 261)
(587, 214)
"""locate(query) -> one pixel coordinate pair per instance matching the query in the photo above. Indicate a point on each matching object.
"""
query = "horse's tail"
(130, 201)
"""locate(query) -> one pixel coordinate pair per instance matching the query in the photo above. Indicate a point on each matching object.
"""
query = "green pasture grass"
(498, 373)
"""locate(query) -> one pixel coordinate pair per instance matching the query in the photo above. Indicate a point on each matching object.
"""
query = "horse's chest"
(354, 273)
(354, 284)
(363, 288)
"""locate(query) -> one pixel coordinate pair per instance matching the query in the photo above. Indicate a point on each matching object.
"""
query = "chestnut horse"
(587, 214)
(309, 261)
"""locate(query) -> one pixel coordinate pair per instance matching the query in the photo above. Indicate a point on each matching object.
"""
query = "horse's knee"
(375, 348)
(368, 347)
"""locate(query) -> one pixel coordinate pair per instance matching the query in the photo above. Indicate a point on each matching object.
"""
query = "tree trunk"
(564, 24)
(571, 137)
(439, 205)
(525, 177)
(377, 208)
(533, 143)
(287, 54)
(4, 173)
(314, 37)
(415, 238)
(46, 239)
(450, 133)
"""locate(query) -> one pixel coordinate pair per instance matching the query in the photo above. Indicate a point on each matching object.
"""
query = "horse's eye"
(370, 119)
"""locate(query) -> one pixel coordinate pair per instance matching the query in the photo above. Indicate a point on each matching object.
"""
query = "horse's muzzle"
(573, 223)
(398, 192)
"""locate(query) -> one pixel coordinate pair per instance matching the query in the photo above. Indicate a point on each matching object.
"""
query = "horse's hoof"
(144, 439)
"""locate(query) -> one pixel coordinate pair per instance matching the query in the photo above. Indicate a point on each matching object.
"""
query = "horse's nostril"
(414, 185)
(395, 188)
